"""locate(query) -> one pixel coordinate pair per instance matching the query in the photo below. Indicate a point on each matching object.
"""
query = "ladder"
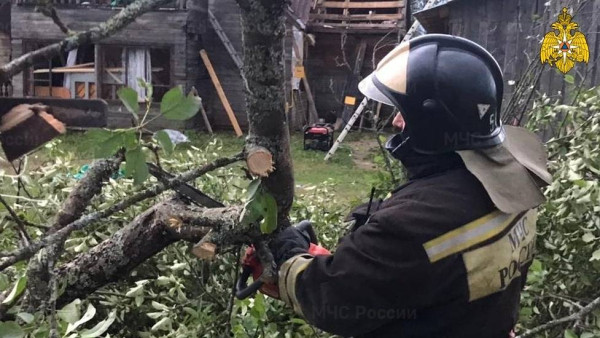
(226, 42)
(364, 102)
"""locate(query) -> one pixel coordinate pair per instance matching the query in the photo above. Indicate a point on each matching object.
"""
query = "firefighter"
(447, 254)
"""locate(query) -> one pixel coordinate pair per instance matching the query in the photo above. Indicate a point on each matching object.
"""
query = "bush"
(566, 274)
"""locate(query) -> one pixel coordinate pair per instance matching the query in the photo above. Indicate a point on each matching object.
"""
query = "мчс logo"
(561, 49)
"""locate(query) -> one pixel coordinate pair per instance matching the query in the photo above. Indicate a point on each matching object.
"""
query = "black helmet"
(448, 89)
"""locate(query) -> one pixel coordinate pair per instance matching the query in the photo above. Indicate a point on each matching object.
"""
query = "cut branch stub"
(205, 249)
(260, 161)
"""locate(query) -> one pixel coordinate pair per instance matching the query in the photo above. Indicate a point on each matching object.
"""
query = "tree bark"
(263, 29)
(145, 236)
(39, 269)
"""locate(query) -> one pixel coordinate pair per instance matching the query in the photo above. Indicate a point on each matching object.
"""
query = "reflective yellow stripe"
(288, 274)
(468, 235)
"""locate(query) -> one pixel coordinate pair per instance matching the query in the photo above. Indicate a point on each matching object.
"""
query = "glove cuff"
(288, 274)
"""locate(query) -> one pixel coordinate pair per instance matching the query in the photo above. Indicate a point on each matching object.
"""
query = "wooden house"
(348, 38)
(335, 40)
(330, 45)
(162, 47)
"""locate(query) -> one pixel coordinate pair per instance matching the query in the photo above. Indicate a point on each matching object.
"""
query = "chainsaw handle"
(242, 289)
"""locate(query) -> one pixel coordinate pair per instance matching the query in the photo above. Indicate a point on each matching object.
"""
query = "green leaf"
(90, 312)
(129, 97)
(536, 266)
(26, 317)
(570, 334)
(165, 141)
(148, 86)
(11, 330)
(156, 315)
(105, 143)
(100, 328)
(269, 223)
(136, 166)
(569, 79)
(595, 256)
(160, 306)
(176, 106)
(139, 300)
(135, 291)
(70, 312)
(4, 282)
(298, 321)
(16, 290)
(252, 212)
(163, 324)
(588, 237)
(253, 188)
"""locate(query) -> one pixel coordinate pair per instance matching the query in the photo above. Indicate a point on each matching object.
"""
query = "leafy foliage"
(172, 294)
(174, 106)
(260, 207)
(566, 273)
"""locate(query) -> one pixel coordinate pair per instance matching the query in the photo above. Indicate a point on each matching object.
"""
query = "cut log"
(260, 161)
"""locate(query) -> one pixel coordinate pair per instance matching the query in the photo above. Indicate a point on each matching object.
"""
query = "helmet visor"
(369, 89)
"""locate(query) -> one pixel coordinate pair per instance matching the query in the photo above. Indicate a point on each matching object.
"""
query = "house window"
(56, 77)
(125, 65)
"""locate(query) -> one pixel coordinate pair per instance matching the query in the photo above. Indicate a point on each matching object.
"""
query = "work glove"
(292, 241)
(289, 243)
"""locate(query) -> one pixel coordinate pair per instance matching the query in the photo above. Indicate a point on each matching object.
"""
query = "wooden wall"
(328, 74)
(161, 28)
(512, 31)
(165, 29)
(4, 32)
(228, 14)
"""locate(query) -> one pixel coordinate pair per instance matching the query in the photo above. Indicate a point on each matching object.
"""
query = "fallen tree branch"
(595, 304)
(93, 35)
(20, 225)
(11, 258)
(145, 236)
(39, 270)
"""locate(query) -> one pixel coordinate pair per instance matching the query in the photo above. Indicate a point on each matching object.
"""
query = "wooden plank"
(357, 17)
(376, 4)
(312, 110)
(99, 69)
(205, 118)
(335, 27)
(221, 93)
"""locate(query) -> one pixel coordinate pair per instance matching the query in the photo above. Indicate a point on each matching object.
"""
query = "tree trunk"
(263, 28)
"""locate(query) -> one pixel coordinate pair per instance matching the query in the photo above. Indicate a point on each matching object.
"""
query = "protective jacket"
(435, 259)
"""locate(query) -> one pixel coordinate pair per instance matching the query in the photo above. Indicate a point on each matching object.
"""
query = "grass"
(351, 182)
